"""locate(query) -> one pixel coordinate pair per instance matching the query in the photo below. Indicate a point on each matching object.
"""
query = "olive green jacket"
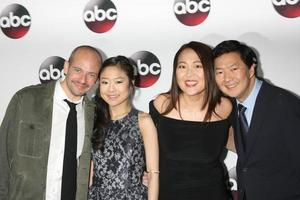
(24, 145)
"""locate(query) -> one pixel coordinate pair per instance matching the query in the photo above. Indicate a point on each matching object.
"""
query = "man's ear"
(66, 67)
(252, 70)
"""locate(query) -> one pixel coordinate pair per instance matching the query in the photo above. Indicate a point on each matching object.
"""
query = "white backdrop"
(150, 25)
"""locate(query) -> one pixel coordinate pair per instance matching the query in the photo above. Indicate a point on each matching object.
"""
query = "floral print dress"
(118, 169)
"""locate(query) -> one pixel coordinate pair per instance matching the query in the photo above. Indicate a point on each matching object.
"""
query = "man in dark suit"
(266, 126)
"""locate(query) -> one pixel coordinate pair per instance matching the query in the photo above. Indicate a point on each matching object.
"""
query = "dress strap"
(153, 112)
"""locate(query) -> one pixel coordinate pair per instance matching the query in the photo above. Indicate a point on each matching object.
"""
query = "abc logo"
(15, 21)
(100, 15)
(191, 12)
(285, 2)
(147, 68)
(52, 69)
(287, 8)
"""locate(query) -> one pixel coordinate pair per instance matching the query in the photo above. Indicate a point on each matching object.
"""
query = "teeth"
(230, 86)
(190, 83)
(112, 96)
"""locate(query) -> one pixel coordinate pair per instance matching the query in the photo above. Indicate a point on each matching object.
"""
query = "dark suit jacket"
(269, 167)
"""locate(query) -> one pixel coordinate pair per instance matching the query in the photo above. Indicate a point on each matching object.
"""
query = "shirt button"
(245, 169)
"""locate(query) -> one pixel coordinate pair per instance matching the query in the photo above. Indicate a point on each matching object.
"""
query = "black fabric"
(68, 189)
(190, 158)
(269, 168)
(243, 123)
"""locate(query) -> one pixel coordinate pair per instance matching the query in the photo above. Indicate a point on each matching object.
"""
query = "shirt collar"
(250, 100)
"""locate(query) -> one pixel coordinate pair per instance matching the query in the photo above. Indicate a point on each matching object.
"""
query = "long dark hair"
(102, 115)
(212, 95)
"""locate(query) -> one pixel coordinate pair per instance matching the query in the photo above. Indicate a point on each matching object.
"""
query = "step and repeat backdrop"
(37, 36)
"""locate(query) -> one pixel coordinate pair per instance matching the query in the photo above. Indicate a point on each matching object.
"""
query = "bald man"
(32, 133)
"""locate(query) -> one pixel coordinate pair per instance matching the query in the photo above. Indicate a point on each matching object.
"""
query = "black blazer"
(269, 167)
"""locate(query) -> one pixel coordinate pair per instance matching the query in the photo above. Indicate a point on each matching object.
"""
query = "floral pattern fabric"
(118, 169)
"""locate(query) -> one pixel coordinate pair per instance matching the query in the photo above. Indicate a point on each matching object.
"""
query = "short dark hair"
(246, 53)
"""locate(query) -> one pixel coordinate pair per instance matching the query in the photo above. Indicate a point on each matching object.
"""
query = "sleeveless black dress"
(118, 170)
(190, 164)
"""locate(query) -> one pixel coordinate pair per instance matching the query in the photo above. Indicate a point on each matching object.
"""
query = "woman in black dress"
(192, 121)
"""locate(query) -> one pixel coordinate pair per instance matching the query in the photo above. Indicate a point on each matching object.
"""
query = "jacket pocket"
(30, 139)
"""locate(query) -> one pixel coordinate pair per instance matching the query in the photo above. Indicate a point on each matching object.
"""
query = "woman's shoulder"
(143, 115)
(224, 108)
(161, 102)
(144, 119)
